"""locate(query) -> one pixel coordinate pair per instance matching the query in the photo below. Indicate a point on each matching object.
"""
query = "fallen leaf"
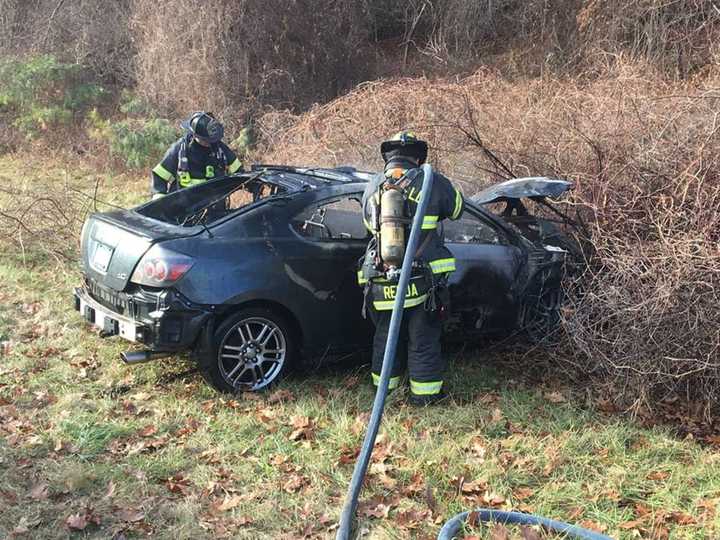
(266, 415)
(229, 503)
(522, 493)
(76, 522)
(415, 486)
(630, 525)
(658, 475)
(148, 431)
(477, 486)
(410, 519)
(177, 484)
(606, 405)
(529, 533)
(131, 515)
(477, 448)
(377, 511)
(681, 518)
(208, 406)
(129, 407)
(639, 443)
(499, 532)
(22, 527)
(348, 455)
(191, 426)
(360, 423)
(494, 499)
(294, 483)
(642, 510)
(593, 525)
(39, 492)
(280, 396)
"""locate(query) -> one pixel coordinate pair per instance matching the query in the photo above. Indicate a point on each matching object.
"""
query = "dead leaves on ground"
(80, 520)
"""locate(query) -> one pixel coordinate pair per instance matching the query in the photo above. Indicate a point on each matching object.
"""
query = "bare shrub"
(36, 221)
(676, 37)
(228, 56)
(93, 34)
(642, 150)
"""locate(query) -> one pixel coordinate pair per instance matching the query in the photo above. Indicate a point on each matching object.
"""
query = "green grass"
(144, 452)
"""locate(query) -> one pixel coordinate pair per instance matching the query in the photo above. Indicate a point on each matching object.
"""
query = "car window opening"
(470, 229)
(535, 218)
(334, 219)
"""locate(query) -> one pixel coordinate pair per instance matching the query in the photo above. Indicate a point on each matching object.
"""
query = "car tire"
(540, 316)
(251, 351)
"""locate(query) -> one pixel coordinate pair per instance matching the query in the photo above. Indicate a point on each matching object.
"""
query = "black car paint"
(254, 256)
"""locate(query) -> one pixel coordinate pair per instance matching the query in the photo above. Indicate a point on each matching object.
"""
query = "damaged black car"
(255, 273)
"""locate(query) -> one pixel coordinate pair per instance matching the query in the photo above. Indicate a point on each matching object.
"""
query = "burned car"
(256, 272)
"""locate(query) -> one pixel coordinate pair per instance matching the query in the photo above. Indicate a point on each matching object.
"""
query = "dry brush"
(644, 153)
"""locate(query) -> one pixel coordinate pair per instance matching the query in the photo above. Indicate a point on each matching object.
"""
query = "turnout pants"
(418, 349)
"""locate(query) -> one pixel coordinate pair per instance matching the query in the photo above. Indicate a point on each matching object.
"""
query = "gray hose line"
(453, 526)
(351, 500)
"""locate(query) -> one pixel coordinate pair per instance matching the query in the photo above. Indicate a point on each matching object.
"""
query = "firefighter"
(199, 155)
(389, 204)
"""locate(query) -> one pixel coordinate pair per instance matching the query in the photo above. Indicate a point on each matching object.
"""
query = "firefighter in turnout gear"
(389, 204)
(199, 155)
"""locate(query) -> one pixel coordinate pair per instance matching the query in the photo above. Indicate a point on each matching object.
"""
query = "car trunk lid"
(113, 243)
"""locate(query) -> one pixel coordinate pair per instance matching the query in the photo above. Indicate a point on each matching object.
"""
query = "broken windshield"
(208, 202)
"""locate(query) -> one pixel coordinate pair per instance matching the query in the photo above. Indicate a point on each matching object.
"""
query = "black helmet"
(204, 126)
(404, 144)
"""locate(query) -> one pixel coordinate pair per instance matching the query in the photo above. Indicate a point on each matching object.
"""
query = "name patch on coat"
(389, 291)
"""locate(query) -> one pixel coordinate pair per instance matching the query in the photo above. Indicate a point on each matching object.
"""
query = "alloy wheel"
(252, 353)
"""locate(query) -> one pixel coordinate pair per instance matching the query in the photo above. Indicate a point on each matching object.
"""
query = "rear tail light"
(161, 267)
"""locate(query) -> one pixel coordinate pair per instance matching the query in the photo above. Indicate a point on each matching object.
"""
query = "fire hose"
(454, 525)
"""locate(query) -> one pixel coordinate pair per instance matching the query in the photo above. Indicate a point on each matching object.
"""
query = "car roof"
(298, 178)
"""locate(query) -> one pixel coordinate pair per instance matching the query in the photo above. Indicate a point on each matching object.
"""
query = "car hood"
(518, 188)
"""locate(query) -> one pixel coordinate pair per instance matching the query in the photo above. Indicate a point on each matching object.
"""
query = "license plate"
(101, 257)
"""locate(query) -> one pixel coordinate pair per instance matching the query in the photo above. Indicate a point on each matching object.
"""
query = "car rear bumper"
(165, 323)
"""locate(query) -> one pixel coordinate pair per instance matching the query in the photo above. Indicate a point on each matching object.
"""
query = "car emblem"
(121, 275)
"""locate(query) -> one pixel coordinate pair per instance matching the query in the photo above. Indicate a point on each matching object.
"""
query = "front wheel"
(251, 351)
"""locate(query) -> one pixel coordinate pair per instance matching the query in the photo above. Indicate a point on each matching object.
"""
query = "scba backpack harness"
(183, 167)
(390, 219)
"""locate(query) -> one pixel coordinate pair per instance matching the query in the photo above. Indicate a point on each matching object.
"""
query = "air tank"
(392, 227)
